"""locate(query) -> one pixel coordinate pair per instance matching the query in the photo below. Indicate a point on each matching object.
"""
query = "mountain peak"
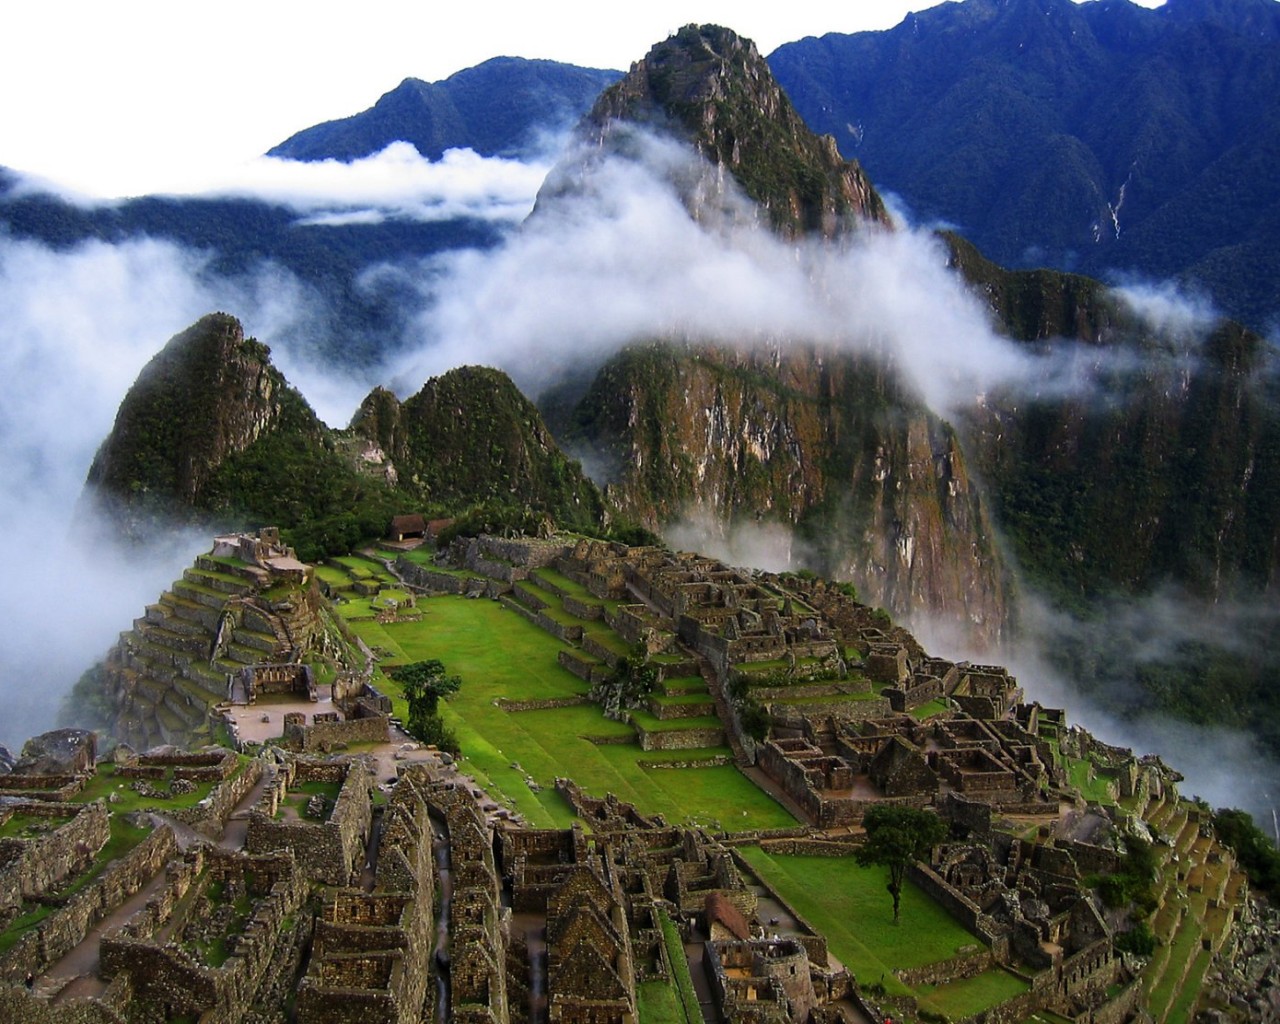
(712, 87)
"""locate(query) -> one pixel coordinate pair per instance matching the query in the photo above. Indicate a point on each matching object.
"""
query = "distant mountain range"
(498, 108)
(1101, 137)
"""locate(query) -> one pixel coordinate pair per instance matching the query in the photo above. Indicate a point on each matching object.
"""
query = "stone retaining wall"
(567, 634)
(582, 609)
(590, 671)
(599, 650)
(680, 739)
(957, 967)
(66, 928)
(210, 815)
(32, 867)
(437, 582)
(955, 903)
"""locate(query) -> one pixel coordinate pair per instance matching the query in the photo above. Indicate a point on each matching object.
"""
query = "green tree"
(631, 681)
(897, 837)
(425, 684)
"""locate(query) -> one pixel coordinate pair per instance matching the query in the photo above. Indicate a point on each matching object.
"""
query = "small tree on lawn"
(897, 837)
(425, 685)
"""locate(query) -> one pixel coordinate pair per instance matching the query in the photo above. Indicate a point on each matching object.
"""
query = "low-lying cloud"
(78, 327)
(616, 258)
(397, 183)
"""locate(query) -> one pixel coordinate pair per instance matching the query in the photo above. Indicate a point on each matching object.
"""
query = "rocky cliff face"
(712, 89)
(209, 394)
(874, 487)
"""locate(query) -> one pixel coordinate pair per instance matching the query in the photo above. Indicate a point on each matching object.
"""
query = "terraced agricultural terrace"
(664, 766)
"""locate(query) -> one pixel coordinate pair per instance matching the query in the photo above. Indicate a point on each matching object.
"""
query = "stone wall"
(331, 851)
(325, 735)
(170, 980)
(18, 1007)
(437, 582)
(680, 739)
(31, 867)
(66, 928)
(207, 767)
(210, 815)
(590, 671)
(955, 903)
(966, 965)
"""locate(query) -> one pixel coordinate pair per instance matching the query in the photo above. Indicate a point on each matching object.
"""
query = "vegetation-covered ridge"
(211, 432)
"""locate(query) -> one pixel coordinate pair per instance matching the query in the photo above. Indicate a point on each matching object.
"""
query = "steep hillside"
(1096, 136)
(1166, 466)
(212, 433)
(470, 437)
(833, 446)
(497, 108)
(712, 88)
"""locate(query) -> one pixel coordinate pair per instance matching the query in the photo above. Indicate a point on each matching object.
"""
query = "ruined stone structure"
(330, 846)
(236, 625)
(205, 943)
(370, 955)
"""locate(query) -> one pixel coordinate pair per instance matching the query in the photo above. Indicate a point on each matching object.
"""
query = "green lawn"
(968, 996)
(500, 654)
(658, 1003)
(1098, 789)
(848, 904)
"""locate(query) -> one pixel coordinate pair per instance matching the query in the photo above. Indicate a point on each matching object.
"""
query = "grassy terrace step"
(363, 568)
(1164, 990)
(263, 642)
(223, 582)
(820, 698)
(650, 723)
(191, 711)
(682, 699)
(200, 594)
(163, 615)
(532, 597)
(336, 577)
(193, 644)
(244, 654)
(683, 685)
(202, 688)
(162, 653)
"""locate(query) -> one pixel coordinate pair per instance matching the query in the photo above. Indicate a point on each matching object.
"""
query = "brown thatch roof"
(409, 525)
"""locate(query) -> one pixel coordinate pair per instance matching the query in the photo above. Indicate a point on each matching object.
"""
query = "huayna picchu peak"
(712, 89)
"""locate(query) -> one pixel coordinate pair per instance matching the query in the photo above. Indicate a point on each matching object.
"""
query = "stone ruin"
(237, 625)
(327, 841)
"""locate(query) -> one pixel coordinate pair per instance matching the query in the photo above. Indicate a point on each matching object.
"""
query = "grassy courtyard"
(848, 904)
(500, 655)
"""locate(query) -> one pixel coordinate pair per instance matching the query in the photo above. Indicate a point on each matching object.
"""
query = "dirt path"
(75, 975)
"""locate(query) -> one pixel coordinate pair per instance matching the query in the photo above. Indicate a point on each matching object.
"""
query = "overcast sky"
(137, 96)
